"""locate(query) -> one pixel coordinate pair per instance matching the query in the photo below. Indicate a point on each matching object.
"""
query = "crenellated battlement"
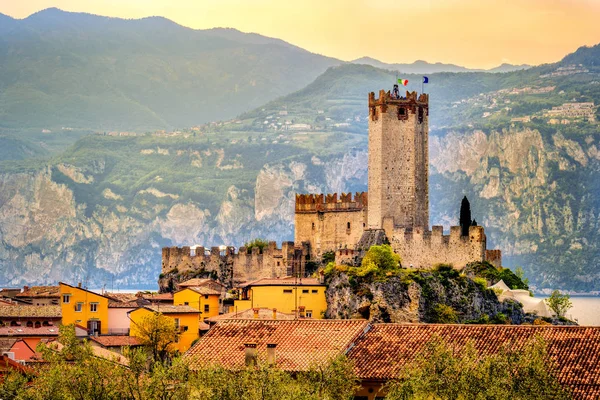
(241, 265)
(436, 235)
(309, 203)
(422, 248)
(412, 98)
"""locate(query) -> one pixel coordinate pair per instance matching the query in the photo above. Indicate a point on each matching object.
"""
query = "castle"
(394, 211)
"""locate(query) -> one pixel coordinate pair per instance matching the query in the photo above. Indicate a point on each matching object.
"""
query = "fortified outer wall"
(423, 248)
(328, 222)
(398, 160)
(236, 267)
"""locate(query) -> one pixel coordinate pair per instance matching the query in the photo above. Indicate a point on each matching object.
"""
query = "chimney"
(256, 310)
(271, 359)
(321, 276)
(274, 313)
(302, 311)
(250, 354)
(25, 288)
(79, 285)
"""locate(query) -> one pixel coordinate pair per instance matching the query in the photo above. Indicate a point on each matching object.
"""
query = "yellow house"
(203, 299)
(185, 317)
(83, 307)
(304, 297)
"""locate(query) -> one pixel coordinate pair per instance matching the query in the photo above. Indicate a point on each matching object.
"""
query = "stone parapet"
(421, 248)
(310, 203)
(233, 266)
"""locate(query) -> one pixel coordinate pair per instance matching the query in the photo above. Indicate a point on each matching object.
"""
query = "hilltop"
(424, 67)
(86, 71)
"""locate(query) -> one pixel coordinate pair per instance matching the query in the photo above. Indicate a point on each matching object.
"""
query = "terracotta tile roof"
(6, 343)
(203, 290)
(199, 282)
(170, 309)
(162, 297)
(263, 314)
(40, 292)
(18, 331)
(380, 353)
(84, 289)
(116, 341)
(27, 311)
(284, 281)
(300, 343)
(121, 297)
(97, 352)
(120, 304)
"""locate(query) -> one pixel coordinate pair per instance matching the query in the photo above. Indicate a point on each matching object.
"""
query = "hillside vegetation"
(104, 205)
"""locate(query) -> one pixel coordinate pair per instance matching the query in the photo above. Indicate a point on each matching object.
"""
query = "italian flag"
(403, 82)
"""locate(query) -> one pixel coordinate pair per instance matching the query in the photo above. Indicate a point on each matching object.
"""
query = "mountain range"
(78, 203)
(423, 67)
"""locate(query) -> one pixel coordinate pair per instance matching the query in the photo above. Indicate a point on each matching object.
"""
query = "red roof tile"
(284, 281)
(263, 313)
(381, 353)
(18, 331)
(170, 309)
(116, 341)
(300, 343)
(203, 290)
(28, 311)
(40, 292)
(199, 282)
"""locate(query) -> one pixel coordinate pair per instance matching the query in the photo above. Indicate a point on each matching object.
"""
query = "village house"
(39, 295)
(84, 307)
(379, 351)
(303, 297)
(204, 299)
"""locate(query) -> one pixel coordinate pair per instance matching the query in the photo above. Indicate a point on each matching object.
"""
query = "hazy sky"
(473, 33)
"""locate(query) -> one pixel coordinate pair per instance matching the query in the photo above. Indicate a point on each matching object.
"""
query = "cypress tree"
(465, 216)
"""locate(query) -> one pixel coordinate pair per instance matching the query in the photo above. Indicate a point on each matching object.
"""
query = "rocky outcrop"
(414, 298)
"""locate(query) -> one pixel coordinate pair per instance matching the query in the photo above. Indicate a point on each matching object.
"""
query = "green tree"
(334, 380)
(158, 334)
(379, 259)
(444, 314)
(260, 243)
(465, 216)
(441, 371)
(559, 303)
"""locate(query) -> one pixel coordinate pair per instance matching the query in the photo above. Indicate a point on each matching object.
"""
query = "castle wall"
(423, 248)
(330, 222)
(398, 160)
(235, 267)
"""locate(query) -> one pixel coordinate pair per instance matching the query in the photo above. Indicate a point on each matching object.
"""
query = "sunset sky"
(473, 33)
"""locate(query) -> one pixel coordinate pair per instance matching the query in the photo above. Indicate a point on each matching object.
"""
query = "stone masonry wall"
(423, 248)
(328, 223)
(398, 160)
(272, 262)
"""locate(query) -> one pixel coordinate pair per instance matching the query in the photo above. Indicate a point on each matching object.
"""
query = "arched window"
(348, 226)
(29, 324)
(37, 324)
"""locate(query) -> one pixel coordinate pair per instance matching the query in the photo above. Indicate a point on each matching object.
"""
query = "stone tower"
(398, 160)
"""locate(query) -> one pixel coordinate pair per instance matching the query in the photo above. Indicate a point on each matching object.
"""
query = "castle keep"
(395, 211)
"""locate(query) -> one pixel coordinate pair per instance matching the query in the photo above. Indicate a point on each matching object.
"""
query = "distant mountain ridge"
(82, 70)
(424, 67)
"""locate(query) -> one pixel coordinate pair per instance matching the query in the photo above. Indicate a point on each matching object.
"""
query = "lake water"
(586, 310)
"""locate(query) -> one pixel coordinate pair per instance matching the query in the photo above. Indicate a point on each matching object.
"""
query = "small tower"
(398, 160)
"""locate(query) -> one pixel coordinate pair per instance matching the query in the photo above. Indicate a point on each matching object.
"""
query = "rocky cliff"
(431, 296)
(104, 219)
